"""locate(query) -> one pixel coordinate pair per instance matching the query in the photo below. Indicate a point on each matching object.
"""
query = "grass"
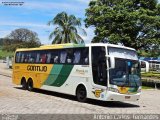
(151, 74)
(4, 54)
(146, 87)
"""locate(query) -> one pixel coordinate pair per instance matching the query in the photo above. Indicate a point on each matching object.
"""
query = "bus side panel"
(57, 78)
(28, 72)
(78, 75)
(17, 74)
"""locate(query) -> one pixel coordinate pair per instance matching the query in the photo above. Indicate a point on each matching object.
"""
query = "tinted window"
(18, 56)
(31, 57)
(85, 56)
(99, 65)
(54, 56)
(77, 56)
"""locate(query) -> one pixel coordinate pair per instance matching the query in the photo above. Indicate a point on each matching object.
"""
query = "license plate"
(127, 97)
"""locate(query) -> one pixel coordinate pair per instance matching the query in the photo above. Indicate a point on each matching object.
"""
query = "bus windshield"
(125, 73)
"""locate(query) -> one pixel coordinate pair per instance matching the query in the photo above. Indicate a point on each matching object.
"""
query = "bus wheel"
(24, 84)
(30, 85)
(81, 93)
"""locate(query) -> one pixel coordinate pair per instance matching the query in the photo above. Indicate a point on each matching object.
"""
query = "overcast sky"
(34, 15)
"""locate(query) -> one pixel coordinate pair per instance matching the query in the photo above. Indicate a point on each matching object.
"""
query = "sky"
(35, 14)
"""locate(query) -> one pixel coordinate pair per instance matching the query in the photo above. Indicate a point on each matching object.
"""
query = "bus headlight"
(113, 89)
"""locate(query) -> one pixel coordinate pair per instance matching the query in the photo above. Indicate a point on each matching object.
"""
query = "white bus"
(144, 66)
(98, 71)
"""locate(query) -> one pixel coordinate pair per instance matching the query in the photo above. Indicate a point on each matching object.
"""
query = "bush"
(151, 74)
(4, 54)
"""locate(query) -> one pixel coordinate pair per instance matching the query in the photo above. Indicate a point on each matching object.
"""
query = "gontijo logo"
(37, 68)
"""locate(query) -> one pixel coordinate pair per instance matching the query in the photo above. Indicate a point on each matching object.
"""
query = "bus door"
(99, 67)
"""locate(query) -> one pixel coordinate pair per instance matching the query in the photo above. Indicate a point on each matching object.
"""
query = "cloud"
(39, 28)
(42, 30)
(23, 24)
(84, 1)
(43, 6)
(34, 10)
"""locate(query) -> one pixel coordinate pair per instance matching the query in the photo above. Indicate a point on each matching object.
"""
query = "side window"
(48, 57)
(22, 57)
(38, 57)
(32, 57)
(85, 56)
(77, 56)
(69, 59)
(63, 56)
(18, 56)
(81, 56)
(26, 57)
(54, 57)
(43, 57)
(99, 65)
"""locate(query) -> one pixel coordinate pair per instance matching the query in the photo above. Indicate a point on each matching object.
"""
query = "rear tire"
(30, 85)
(24, 84)
(81, 93)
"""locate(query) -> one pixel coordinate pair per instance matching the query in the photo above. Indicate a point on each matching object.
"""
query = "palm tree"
(66, 29)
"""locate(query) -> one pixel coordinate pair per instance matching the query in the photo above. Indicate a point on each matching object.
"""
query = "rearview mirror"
(111, 61)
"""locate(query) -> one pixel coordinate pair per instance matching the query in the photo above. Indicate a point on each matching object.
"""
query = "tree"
(21, 38)
(1, 41)
(66, 30)
(133, 23)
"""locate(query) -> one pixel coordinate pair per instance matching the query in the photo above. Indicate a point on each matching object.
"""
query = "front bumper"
(113, 96)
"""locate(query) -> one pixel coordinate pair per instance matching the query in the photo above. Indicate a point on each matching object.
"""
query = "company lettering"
(37, 68)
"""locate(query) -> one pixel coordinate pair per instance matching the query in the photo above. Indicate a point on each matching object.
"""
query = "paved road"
(14, 100)
(4, 70)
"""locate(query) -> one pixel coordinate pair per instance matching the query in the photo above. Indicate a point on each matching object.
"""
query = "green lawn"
(4, 54)
(145, 87)
(152, 74)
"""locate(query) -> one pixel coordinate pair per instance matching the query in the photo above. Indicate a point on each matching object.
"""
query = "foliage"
(1, 41)
(149, 53)
(146, 87)
(151, 74)
(66, 29)
(133, 23)
(4, 54)
(21, 38)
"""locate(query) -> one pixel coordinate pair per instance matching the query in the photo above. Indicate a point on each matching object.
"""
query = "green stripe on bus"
(62, 77)
(58, 75)
(55, 71)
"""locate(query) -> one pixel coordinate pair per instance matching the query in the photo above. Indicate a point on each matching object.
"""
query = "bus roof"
(109, 45)
(71, 45)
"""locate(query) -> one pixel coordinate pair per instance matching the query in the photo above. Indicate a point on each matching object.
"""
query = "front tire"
(81, 94)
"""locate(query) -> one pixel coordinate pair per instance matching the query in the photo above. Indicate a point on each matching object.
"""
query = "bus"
(144, 66)
(98, 71)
